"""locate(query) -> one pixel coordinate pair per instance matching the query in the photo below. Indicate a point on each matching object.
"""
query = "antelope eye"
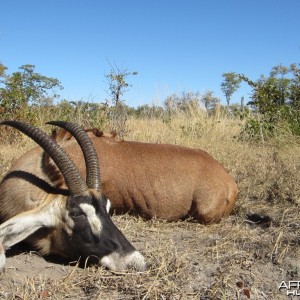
(75, 214)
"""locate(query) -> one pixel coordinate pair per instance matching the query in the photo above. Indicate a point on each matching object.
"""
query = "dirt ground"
(236, 259)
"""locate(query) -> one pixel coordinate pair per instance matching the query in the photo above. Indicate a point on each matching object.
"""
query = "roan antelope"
(151, 180)
(71, 222)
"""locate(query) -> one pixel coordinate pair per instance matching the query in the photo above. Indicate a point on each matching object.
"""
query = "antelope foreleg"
(23, 225)
(2, 257)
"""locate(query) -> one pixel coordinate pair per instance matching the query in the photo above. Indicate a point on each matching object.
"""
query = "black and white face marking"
(92, 232)
(92, 218)
(88, 211)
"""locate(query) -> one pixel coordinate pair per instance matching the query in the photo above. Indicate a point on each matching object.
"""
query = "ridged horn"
(71, 174)
(89, 152)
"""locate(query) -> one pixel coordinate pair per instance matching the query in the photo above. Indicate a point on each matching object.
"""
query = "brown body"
(151, 180)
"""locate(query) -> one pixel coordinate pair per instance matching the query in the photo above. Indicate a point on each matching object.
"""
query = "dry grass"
(250, 252)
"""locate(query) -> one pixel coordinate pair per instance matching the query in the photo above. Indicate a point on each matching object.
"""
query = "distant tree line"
(275, 100)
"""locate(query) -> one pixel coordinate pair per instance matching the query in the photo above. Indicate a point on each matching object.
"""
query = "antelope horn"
(89, 152)
(71, 174)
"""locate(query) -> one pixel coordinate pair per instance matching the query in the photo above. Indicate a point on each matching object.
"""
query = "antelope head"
(83, 224)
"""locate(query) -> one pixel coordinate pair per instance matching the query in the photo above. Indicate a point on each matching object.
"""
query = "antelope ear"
(23, 225)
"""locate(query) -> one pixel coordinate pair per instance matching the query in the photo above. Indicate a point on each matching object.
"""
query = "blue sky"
(175, 45)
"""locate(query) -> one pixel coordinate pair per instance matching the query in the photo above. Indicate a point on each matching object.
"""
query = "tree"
(210, 100)
(117, 83)
(2, 71)
(26, 87)
(276, 99)
(295, 87)
(281, 88)
(230, 85)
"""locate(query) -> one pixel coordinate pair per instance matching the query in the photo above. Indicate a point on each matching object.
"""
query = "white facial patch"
(112, 262)
(108, 206)
(136, 260)
(116, 262)
(94, 221)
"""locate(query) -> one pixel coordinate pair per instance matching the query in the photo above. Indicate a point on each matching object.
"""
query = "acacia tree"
(229, 85)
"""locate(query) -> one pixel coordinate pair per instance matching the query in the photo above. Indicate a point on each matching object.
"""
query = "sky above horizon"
(175, 46)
